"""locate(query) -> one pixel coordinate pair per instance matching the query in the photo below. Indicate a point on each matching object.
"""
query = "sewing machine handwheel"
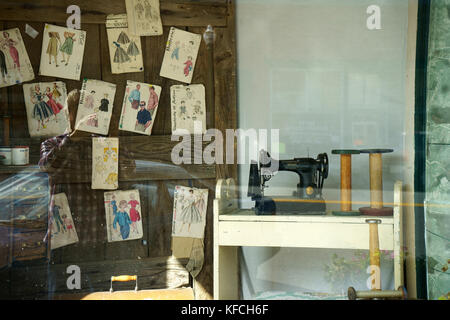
(323, 158)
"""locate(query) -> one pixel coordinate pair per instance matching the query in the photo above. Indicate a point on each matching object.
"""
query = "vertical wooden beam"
(225, 88)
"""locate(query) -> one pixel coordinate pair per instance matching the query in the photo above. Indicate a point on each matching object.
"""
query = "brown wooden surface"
(153, 273)
(145, 162)
(158, 294)
(173, 13)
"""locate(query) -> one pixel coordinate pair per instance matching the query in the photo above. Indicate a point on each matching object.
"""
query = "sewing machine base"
(289, 206)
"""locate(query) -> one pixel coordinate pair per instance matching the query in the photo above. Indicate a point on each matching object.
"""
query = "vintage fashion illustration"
(62, 52)
(15, 66)
(140, 105)
(189, 212)
(188, 108)
(125, 49)
(180, 55)
(63, 230)
(105, 163)
(95, 106)
(123, 215)
(47, 113)
(143, 17)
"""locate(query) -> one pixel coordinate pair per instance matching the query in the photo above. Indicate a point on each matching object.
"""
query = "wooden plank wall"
(144, 161)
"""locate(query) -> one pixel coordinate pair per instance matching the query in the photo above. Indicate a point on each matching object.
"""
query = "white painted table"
(235, 227)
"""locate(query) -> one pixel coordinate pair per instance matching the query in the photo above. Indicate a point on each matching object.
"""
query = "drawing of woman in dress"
(12, 50)
(123, 220)
(92, 120)
(134, 214)
(67, 47)
(41, 111)
(133, 50)
(3, 67)
(68, 223)
(148, 10)
(120, 56)
(55, 91)
(139, 9)
(89, 100)
(189, 66)
(52, 48)
(191, 209)
(123, 38)
(56, 106)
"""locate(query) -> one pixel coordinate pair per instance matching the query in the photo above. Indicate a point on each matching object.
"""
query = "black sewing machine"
(307, 199)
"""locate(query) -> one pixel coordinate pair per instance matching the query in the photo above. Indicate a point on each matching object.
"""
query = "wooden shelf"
(249, 215)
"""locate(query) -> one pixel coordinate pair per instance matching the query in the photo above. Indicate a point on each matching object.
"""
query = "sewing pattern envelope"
(123, 215)
(125, 49)
(188, 108)
(140, 105)
(105, 163)
(180, 55)
(15, 66)
(143, 17)
(46, 107)
(62, 52)
(95, 106)
(63, 228)
(189, 212)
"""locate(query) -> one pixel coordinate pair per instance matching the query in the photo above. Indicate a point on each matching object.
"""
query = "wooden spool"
(346, 182)
(376, 184)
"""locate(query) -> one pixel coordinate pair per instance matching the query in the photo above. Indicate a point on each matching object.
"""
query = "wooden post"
(374, 252)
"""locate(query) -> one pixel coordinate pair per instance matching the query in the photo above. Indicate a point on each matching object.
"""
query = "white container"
(7, 153)
(20, 155)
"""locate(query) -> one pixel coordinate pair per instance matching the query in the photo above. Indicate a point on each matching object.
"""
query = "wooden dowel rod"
(374, 252)
(376, 180)
(346, 182)
(379, 294)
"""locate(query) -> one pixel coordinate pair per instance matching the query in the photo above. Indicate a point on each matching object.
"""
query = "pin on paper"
(29, 30)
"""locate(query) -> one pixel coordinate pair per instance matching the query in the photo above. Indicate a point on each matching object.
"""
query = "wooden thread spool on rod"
(346, 181)
(376, 184)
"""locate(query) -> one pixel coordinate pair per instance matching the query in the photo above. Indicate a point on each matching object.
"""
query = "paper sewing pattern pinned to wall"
(105, 163)
(189, 212)
(140, 106)
(188, 108)
(125, 49)
(143, 17)
(95, 106)
(123, 215)
(47, 112)
(15, 65)
(62, 52)
(63, 230)
(180, 55)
